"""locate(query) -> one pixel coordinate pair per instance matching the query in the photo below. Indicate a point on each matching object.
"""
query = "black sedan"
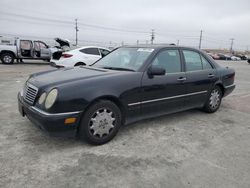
(129, 84)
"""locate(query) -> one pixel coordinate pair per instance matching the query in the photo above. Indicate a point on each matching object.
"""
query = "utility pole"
(231, 46)
(200, 39)
(152, 36)
(76, 28)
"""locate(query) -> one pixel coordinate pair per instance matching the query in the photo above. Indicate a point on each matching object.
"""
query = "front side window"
(125, 58)
(90, 51)
(36, 45)
(193, 60)
(42, 45)
(168, 60)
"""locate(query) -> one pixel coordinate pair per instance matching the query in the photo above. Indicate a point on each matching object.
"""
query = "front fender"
(76, 96)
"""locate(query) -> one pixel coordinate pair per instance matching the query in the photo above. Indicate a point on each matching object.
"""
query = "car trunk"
(62, 42)
(57, 55)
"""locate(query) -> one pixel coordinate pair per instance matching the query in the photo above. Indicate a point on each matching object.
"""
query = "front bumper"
(51, 123)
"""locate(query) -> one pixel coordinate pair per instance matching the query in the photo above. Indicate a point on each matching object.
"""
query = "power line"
(70, 22)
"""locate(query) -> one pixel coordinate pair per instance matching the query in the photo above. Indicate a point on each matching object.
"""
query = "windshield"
(125, 59)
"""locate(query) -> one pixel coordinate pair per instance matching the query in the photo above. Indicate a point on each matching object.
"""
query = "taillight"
(66, 55)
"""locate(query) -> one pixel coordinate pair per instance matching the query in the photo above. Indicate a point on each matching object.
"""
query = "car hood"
(62, 42)
(61, 76)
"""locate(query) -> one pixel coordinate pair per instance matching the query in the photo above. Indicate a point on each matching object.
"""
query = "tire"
(79, 64)
(214, 100)
(100, 123)
(7, 58)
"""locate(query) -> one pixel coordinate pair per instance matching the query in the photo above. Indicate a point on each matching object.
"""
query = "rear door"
(201, 76)
(25, 49)
(90, 55)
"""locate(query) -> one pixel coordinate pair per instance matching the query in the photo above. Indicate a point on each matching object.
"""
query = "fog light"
(69, 120)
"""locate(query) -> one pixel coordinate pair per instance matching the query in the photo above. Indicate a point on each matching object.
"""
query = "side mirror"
(156, 71)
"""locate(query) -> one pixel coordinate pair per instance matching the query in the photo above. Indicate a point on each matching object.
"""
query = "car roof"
(158, 46)
(84, 47)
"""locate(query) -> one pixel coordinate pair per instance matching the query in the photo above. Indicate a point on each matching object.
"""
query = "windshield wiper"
(119, 68)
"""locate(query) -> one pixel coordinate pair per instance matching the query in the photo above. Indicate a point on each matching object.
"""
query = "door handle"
(210, 76)
(182, 79)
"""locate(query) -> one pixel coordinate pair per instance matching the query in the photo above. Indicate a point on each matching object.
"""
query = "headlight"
(42, 98)
(51, 98)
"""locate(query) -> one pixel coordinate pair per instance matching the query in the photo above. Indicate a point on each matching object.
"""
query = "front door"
(44, 50)
(166, 93)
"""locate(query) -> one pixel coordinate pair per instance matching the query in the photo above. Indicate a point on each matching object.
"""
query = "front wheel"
(214, 100)
(7, 58)
(100, 123)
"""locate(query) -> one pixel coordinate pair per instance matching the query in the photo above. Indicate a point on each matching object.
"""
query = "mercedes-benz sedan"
(129, 84)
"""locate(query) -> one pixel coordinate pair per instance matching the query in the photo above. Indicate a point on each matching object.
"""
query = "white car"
(234, 58)
(86, 55)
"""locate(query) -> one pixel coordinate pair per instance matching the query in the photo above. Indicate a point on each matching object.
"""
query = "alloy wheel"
(7, 59)
(214, 99)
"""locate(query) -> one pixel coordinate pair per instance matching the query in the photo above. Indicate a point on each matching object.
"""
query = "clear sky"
(131, 20)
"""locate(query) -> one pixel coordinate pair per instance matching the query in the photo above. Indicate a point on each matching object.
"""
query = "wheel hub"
(214, 99)
(7, 59)
(102, 122)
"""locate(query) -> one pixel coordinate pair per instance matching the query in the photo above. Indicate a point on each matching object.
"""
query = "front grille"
(29, 93)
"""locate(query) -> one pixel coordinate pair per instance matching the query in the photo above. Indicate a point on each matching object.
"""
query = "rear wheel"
(7, 58)
(100, 123)
(214, 100)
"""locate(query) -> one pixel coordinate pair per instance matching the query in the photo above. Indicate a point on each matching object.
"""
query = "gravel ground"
(188, 149)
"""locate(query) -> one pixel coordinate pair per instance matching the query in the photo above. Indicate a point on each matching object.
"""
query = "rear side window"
(90, 51)
(193, 60)
(206, 64)
(169, 60)
(104, 52)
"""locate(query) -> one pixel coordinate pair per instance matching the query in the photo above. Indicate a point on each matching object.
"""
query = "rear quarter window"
(90, 51)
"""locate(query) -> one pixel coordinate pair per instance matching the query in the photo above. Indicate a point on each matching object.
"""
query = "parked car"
(25, 49)
(224, 57)
(129, 84)
(81, 56)
(214, 56)
(234, 58)
(241, 56)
